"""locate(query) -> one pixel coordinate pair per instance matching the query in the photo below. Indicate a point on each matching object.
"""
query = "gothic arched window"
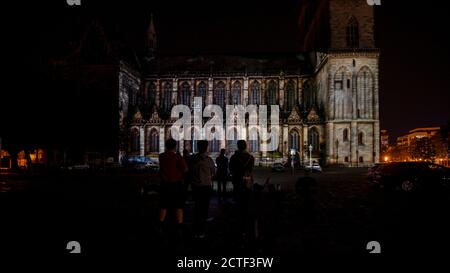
(151, 94)
(167, 96)
(152, 140)
(309, 95)
(365, 93)
(201, 92)
(272, 98)
(343, 106)
(135, 141)
(361, 138)
(185, 94)
(236, 93)
(219, 95)
(345, 135)
(255, 93)
(313, 136)
(294, 140)
(352, 33)
(290, 95)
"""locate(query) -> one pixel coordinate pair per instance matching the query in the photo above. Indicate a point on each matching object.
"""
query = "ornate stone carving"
(137, 117)
(294, 116)
(313, 116)
(155, 119)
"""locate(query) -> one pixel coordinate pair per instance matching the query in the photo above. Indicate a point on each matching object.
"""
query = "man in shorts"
(172, 168)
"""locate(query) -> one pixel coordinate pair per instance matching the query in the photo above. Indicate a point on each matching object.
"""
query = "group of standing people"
(178, 172)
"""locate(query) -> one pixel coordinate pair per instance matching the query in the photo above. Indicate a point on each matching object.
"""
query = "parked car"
(146, 167)
(372, 171)
(410, 176)
(315, 167)
(152, 166)
(278, 167)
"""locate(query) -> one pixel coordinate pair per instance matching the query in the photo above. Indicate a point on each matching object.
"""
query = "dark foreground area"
(116, 215)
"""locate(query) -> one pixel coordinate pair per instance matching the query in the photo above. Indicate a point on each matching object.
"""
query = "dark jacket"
(222, 167)
(240, 164)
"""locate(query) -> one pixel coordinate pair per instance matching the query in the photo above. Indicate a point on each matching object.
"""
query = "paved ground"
(112, 214)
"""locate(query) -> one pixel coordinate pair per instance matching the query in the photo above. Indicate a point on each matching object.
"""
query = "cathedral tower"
(349, 76)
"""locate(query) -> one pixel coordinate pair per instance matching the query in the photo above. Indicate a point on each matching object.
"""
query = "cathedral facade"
(328, 97)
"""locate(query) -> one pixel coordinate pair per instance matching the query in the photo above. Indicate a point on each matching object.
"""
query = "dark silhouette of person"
(241, 167)
(305, 187)
(265, 209)
(172, 195)
(187, 175)
(222, 174)
(203, 170)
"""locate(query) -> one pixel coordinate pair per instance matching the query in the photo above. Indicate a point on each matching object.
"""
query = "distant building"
(406, 140)
(384, 137)
(417, 145)
(5, 160)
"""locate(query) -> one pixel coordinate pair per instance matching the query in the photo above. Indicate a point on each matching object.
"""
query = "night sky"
(414, 65)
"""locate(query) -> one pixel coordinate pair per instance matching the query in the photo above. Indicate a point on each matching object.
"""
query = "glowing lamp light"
(386, 159)
(32, 157)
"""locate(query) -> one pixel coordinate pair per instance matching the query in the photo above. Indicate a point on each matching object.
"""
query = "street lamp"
(310, 156)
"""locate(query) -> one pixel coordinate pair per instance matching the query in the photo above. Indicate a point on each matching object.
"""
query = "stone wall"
(341, 12)
(351, 152)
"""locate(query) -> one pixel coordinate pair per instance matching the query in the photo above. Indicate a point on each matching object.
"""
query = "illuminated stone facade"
(328, 98)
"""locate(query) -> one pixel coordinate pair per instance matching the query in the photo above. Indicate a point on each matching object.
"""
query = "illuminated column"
(330, 156)
(376, 140)
(227, 92)
(376, 94)
(191, 103)
(284, 140)
(305, 144)
(354, 143)
(301, 139)
(263, 91)
(175, 91)
(141, 141)
(299, 91)
(281, 92)
(158, 95)
(209, 98)
(161, 139)
(331, 98)
(245, 92)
